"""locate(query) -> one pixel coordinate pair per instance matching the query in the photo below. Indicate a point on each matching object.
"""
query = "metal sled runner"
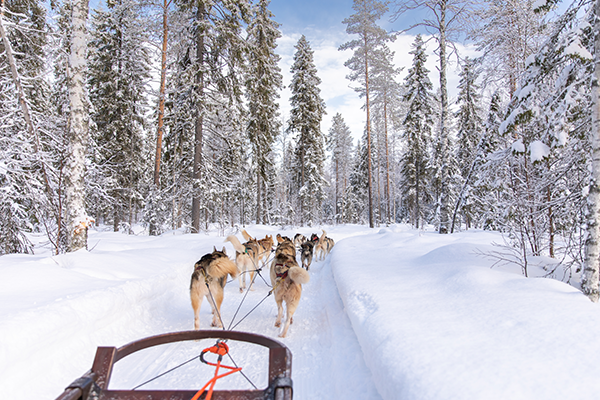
(94, 383)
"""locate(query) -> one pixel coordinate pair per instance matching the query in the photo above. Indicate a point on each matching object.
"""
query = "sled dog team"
(287, 277)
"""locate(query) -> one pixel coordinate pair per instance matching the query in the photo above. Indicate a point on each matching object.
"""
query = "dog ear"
(224, 250)
(214, 249)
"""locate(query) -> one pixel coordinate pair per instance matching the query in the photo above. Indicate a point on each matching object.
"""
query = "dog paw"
(277, 324)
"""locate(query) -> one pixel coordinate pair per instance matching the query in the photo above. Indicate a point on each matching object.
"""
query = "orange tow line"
(220, 349)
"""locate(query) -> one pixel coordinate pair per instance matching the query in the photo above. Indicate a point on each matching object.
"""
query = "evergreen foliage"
(305, 120)
(417, 137)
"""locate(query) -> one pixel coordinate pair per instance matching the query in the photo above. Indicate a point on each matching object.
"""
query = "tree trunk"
(589, 277)
(445, 189)
(76, 216)
(387, 160)
(198, 137)
(161, 98)
(371, 225)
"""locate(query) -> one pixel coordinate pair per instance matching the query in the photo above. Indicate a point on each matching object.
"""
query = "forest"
(166, 113)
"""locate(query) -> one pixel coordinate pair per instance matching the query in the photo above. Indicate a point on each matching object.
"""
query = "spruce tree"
(418, 127)
(469, 135)
(306, 115)
(263, 80)
(339, 143)
(119, 73)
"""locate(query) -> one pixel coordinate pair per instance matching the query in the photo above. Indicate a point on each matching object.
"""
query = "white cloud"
(336, 90)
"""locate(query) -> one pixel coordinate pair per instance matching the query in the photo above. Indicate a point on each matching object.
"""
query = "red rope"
(220, 349)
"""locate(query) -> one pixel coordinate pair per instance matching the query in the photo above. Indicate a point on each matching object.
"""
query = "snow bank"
(435, 322)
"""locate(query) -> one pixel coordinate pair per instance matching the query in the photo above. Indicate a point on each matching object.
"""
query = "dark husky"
(306, 254)
(208, 279)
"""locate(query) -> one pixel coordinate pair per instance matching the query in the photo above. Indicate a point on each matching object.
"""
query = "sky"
(391, 313)
(321, 23)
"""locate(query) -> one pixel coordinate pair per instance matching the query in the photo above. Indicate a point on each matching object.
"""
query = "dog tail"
(246, 235)
(221, 267)
(322, 236)
(299, 275)
(236, 243)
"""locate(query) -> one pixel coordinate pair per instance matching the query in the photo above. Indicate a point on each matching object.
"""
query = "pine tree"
(418, 126)
(306, 115)
(119, 73)
(262, 84)
(386, 92)
(370, 38)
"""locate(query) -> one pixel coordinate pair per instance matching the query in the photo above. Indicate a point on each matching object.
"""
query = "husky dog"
(287, 279)
(285, 245)
(299, 239)
(323, 246)
(306, 254)
(208, 279)
(265, 245)
(246, 259)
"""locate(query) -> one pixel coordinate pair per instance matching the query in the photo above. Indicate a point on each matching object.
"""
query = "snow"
(518, 146)
(390, 313)
(538, 150)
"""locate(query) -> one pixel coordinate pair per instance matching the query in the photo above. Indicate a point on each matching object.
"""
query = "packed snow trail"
(130, 287)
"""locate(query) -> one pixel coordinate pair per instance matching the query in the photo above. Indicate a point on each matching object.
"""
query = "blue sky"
(321, 23)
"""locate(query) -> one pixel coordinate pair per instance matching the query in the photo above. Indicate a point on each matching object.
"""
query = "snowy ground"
(392, 313)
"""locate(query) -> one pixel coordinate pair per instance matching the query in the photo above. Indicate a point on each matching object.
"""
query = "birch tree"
(591, 269)
(76, 215)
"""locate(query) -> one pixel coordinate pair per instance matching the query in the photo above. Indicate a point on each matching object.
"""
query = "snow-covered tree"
(417, 135)
(445, 19)
(118, 74)
(263, 80)
(26, 179)
(305, 119)
(212, 51)
(339, 143)
(469, 134)
(507, 32)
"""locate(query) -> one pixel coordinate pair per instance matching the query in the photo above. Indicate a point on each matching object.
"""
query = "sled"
(94, 383)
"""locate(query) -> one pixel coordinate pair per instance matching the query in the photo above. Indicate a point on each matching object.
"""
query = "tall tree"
(418, 126)
(445, 18)
(469, 135)
(591, 270)
(214, 56)
(262, 84)
(76, 215)
(370, 38)
(339, 143)
(26, 190)
(118, 75)
(306, 115)
(385, 103)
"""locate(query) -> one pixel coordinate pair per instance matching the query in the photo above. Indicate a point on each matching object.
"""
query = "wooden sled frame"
(94, 383)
